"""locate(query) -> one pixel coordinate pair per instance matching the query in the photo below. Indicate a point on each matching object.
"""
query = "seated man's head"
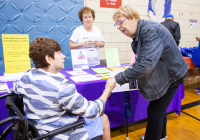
(169, 16)
(46, 54)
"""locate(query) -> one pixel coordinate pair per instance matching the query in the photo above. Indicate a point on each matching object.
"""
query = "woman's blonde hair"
(126, 11)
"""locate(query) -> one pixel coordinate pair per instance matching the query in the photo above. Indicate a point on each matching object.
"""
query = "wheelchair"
(22, 128)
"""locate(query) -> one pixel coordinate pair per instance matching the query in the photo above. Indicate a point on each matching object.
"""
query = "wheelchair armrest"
(12, 118)
(61, 130)
(6, 95)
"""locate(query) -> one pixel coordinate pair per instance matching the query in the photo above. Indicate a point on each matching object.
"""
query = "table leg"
(127, 111)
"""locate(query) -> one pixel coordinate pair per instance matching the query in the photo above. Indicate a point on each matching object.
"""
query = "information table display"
(115, 104)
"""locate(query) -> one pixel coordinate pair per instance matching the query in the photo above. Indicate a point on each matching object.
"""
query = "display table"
(115, 103)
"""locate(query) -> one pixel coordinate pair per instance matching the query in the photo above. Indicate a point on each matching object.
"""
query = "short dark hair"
(85, 10)
(40, 47)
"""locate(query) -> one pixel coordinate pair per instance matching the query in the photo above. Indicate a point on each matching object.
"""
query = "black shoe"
(198, 92)
(197, 89)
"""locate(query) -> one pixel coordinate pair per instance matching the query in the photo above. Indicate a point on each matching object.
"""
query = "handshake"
(110, 84)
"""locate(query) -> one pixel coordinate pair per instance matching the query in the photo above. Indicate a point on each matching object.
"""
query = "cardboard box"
(187, 81)
(195, 79)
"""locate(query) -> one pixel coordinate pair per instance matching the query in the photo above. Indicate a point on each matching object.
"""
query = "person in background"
(159, 67)
(51, 102)
(173, 27)
(198, 39)
(87, 36)
(198, 88)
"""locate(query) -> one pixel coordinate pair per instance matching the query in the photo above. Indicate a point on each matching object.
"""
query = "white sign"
(79, 59)
(126, 87)
(3, 87)
(84, 78)
(192, 23)
(80, 72)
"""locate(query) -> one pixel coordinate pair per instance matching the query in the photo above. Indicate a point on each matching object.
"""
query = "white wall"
(183, 10)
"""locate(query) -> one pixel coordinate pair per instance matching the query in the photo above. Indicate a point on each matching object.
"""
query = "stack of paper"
(116, 68)
(84, 78)
(103, 76)
(11, 77)
(80, 72)
(3, 87)
(101, 70)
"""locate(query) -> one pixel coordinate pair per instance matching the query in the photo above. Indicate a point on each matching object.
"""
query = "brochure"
(103, 76)
(84, 78)
(80, 72)
(79, 59)
(101, 70)
(3, 87)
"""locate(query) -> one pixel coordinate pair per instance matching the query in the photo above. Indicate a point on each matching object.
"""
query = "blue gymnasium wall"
(47, 18)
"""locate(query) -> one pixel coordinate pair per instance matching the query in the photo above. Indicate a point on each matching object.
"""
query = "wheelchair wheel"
(6, 132)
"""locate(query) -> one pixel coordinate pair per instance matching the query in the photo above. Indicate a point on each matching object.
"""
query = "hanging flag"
(157, 9)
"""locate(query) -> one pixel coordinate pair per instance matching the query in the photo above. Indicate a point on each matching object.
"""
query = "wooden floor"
(185, 127)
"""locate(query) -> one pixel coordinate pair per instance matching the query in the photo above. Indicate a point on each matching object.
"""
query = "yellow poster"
(16, 52)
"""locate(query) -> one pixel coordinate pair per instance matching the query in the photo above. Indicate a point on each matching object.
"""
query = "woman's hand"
(87, 43)
(130, 66)
(110, 84)
(97, 43)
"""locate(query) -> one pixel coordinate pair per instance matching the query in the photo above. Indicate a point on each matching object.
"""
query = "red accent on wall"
(110, 3)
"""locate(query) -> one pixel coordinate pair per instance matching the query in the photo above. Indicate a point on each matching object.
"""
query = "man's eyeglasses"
(120, 22)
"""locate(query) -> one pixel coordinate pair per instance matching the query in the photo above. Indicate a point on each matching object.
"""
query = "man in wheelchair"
(51, 102)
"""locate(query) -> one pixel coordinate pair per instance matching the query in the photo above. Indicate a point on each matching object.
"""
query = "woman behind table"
(159, 67)
(87, 36)
(51, 102)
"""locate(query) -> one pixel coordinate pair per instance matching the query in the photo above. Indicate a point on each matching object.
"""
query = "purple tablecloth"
(4, 110)
(115, 103)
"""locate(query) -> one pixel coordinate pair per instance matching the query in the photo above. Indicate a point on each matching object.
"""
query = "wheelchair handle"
(6, 95)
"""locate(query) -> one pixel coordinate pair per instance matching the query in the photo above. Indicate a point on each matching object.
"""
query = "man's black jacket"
(174, 29)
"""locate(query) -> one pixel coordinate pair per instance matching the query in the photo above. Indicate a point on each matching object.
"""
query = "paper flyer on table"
(3, 87)
(126, 87)
(11, 77)
(101, 70)
(79, 59)
(80, 72)
(84, 78)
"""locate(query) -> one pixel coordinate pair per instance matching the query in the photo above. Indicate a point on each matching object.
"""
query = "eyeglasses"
(119, 22)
